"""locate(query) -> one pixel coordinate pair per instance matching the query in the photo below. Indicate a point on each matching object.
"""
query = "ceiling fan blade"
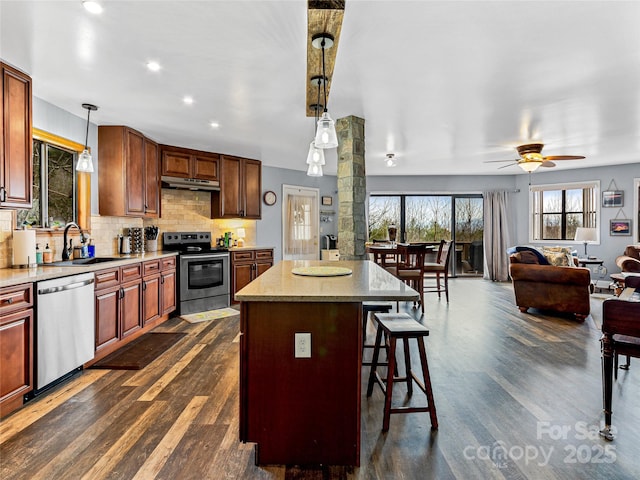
(564, 157)
(547, 163)
(500, 161)
(505, 166)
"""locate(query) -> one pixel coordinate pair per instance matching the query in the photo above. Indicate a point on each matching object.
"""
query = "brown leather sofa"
(630, 260)
(547, 287)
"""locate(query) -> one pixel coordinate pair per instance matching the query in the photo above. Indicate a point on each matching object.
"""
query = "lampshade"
(530, 166)
(241, 233)
(314, 170)
(584, 234)
(315, 155)
(85, 162)
(326, 136)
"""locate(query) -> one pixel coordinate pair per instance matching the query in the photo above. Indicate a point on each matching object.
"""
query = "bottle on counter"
(38, 254)
(47, 255)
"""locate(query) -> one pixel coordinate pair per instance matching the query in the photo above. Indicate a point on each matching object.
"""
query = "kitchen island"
(300, 360)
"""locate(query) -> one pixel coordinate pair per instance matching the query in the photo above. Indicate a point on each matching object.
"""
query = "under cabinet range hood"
(190, 183)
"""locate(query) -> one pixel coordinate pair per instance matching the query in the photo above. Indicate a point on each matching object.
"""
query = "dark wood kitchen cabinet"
(158, 288)
(118, 297)
(16, 346)
(188, 163)
(247, 265)
(240, 189)
(129, 182)
(15, 139)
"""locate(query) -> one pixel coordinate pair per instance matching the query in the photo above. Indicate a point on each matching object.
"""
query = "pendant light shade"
(326, 136)
(314, 170)
(85, 162)
(315, 155)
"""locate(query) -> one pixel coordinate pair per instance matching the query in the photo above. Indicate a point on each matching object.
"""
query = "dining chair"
(410, 267)
(439, 271)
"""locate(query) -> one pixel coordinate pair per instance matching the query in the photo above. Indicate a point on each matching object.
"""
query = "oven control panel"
(186, 238)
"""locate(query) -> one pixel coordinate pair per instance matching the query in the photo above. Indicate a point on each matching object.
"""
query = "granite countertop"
(249, 247)
(368, 282)
(15, 276)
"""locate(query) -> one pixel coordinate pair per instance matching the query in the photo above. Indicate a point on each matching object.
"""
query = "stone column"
(352, 187)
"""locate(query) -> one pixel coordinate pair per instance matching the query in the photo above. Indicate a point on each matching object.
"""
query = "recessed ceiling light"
(153, 66)
(188, 100)
(92, 6)
(214, 125)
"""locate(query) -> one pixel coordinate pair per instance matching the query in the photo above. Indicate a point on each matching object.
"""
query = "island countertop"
(368, 282)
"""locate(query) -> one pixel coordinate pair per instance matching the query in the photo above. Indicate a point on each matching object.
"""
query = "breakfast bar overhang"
(302, 406)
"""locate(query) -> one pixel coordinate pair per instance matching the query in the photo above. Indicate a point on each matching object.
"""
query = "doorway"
(301, 223)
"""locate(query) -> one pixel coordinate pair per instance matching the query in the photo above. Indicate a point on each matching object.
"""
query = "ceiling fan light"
(533, 157)
(314, 170)
(326, 136)
(315, 155)
(530, 166)
(85, 162)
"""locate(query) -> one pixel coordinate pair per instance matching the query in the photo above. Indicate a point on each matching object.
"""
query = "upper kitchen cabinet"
(15, 139)
(187, 163)
(129, 182)
(241, 185)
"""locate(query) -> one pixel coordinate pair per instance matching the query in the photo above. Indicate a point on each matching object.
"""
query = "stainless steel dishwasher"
(65, 326)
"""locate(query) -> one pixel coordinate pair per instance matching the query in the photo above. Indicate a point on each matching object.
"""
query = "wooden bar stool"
(401, 326)
(366, 309)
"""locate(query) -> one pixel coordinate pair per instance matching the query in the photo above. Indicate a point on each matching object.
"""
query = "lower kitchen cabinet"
(118, 297)
(247, 265)
(158, 288)
(16, 346)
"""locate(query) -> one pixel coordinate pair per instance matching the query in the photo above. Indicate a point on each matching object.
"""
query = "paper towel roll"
(24, 248)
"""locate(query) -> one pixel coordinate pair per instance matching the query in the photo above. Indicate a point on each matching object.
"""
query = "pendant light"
(315, 157)
(326, 134)
(85, 163)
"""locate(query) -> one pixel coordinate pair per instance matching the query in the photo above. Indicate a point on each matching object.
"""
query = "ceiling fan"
(531, 158)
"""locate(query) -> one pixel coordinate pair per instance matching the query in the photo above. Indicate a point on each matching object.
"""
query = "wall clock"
(269, 197)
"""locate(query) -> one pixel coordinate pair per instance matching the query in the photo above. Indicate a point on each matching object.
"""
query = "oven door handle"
(203, 256)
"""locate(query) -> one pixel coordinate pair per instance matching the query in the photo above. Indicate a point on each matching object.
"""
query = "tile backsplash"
(182, 210)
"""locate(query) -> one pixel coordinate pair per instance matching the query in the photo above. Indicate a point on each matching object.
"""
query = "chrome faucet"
(67, 252)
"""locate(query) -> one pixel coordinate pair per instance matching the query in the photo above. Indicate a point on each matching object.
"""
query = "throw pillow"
(558, 256)
(528, 257)
(541, 258)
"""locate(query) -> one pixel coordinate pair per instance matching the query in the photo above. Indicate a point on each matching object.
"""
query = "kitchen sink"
(81, 262)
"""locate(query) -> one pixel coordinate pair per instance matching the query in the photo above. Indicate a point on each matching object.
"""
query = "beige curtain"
(300, 233)
(497, 235)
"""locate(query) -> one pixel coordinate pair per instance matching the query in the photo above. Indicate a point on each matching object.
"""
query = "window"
(54, 197)
(558, 210)
(60, 194)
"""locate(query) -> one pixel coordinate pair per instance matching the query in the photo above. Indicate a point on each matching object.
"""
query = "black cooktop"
(189, 242)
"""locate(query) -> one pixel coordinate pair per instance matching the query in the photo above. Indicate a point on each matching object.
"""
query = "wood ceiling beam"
(323, 16)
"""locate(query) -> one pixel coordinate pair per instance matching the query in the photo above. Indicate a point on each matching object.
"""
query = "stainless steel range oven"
(203, 280)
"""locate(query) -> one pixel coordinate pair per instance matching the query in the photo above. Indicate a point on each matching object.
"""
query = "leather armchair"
(547, 287)
(630, 260)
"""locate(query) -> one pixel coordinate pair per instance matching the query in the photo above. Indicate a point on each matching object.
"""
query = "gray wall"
(610, 246)
(269, 229)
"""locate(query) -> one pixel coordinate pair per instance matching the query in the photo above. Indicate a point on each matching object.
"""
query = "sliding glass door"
(430, 219)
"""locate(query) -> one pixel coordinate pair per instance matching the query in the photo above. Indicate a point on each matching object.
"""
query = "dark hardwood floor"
(518, 396)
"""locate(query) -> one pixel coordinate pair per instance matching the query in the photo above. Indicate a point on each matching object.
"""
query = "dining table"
(385, 254)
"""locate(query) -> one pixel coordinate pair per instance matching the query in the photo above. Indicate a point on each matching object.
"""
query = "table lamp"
(241, 234)
(586, 235)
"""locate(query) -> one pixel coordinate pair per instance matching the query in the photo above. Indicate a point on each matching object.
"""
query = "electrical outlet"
(302, 343)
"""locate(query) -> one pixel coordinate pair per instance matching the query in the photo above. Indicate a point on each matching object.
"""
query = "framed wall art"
(619, 227)
(613, 198)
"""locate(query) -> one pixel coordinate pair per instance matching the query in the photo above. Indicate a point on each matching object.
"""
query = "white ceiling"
(445, 85)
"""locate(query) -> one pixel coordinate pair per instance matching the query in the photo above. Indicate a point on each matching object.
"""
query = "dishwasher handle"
(62, 288)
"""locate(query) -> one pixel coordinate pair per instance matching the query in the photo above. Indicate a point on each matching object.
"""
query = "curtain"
(299, 234)
(497, 236)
